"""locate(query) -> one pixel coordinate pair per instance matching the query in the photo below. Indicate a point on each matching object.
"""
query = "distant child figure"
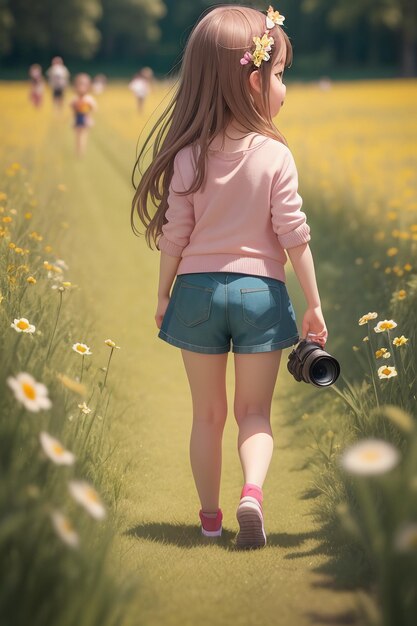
(37, 85)
(140, 85)
(58, 77)
(83, 105)
(99, 84)
(225, 186)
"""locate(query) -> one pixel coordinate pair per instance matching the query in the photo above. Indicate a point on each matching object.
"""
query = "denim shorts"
(208, 309)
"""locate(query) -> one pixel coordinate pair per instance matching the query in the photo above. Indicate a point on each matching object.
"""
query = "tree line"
(153, 32)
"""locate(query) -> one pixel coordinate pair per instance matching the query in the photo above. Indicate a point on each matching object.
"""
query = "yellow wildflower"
(36, 236)
(84, 408)
(400, 341)
(72, 384)
(111, 344)
(367, 318)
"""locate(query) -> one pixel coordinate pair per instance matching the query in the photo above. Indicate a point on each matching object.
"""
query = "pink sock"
(209, 515)
(249, 489)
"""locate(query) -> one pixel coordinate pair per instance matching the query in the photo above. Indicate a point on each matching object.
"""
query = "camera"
(308, 362)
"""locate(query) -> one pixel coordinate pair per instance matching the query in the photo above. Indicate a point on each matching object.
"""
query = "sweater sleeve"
(180, 215)
(288, 221)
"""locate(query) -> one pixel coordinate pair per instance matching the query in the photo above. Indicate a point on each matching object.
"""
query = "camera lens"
(324, 371)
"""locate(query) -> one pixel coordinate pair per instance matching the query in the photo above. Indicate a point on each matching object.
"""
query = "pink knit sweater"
(245, 216)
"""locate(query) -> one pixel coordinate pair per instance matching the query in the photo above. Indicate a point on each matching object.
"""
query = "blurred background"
(336, 37)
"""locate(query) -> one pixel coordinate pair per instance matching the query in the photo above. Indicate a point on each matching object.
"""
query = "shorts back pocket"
(193, 303)
(262, 307)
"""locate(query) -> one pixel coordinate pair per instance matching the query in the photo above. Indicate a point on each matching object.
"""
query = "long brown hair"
(212, 89)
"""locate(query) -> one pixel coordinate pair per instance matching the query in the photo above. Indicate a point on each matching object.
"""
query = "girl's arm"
(293, 233)
(303, 264)
(93, 103)
(313, 323)
(176, 231)
(168, 266)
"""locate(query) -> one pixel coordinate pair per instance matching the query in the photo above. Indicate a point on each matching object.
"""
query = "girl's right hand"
(314, 326)
(163, 302)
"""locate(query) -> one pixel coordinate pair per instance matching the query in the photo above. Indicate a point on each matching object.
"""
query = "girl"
(224, 184)
(83, 104)
(140, 85)
(58, 76)
(37, 85)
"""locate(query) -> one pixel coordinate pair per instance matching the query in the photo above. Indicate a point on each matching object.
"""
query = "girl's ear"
(254, 81)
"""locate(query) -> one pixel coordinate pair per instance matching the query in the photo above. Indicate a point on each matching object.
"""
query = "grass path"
(180, 579)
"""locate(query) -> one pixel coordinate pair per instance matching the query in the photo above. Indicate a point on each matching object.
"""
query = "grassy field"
(355, 150)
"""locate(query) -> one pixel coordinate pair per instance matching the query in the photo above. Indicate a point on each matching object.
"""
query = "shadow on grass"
(336, 574)
(347, 617)
(189, 536)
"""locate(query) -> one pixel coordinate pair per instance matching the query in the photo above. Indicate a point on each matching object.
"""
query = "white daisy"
(82, 349)
(55, 450)
(33, 395)
(61, 263)
(64, 529)
(21, 325)
(387, 371)
(88, 497)
(370, 456)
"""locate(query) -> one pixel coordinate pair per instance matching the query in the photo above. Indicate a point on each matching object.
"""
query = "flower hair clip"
(263, 44)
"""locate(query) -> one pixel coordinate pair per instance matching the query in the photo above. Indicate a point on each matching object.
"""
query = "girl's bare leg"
(256, 376)
(207, 379)
(81, 140)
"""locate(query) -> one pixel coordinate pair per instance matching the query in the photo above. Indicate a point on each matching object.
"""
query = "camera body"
(308, 362)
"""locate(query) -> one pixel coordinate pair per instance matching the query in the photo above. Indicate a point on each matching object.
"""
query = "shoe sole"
(252, 532)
